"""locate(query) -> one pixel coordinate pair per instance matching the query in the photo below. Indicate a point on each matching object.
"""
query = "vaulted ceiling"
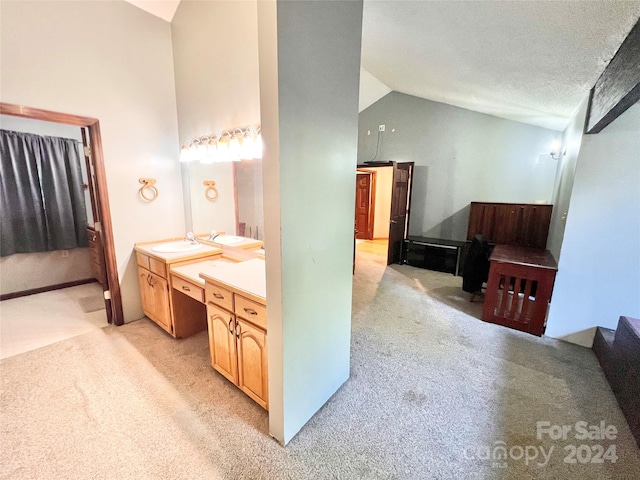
(530, 61)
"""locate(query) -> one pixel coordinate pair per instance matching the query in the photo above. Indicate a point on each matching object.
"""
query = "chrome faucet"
(212, 235)
(191, 238)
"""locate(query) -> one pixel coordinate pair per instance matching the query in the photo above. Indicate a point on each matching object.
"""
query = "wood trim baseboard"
(49, 288)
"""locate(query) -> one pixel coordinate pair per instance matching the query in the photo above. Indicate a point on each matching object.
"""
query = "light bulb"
(234, 148)
(257, 146)
(223, 147)
(246, 152)
(185, 154)
(193, 152)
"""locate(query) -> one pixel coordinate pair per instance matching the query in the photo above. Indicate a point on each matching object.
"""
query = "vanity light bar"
(230, 146)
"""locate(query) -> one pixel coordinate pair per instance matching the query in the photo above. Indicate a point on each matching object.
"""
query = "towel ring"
(211, 192)
(148, 184)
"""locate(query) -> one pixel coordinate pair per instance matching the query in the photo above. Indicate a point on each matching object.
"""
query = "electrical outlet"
(381, 128)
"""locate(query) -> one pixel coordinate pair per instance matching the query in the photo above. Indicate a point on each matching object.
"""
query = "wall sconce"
(229, 146)
(557, 152)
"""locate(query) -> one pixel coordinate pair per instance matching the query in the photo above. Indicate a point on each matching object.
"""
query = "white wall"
(571, 140)
(26, 271)
(215, 50)
(460, 156)
(384, 185)
(599, 272)
(111, 61)
(309, 76)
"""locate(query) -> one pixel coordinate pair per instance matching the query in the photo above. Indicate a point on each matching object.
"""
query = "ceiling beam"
(619, 85)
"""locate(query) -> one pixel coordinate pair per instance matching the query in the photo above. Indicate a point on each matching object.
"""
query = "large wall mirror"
(238, 206)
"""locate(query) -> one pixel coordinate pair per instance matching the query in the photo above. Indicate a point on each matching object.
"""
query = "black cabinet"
(434, 254)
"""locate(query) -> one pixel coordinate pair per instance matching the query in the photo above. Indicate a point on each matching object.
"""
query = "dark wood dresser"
(96, 253)
(525, 224)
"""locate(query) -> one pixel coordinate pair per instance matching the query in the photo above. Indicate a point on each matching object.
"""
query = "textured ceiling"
(530, 61)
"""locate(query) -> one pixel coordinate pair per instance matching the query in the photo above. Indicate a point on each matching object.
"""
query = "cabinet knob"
(250, 311)
(185, 288)
(218, 296)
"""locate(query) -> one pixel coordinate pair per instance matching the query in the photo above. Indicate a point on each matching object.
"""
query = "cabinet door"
(154, 294)
(222, 342)
(252, 362)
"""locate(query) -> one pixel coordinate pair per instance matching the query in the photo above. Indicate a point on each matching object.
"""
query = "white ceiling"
(530, 61)
(164, 9)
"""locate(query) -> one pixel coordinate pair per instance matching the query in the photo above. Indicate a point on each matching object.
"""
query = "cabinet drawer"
(219, 296)
(251, 311)
(157, 267)
(143, 260)
(194, 291)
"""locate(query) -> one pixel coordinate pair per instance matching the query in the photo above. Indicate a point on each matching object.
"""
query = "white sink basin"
(228, 239)
(176, 247)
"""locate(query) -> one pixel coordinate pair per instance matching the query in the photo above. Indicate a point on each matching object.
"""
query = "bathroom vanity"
(154, 265)
(237, 325)
(214, 287)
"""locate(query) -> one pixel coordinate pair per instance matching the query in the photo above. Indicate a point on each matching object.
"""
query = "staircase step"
(619, 355)
(627, 341)
(603, 349)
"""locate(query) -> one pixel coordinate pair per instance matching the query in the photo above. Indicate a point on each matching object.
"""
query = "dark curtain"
(42, 205)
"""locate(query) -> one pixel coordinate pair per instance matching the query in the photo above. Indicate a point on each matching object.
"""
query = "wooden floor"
(377, 247)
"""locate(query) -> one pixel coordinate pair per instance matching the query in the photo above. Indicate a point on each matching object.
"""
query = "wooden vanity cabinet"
(154, 293)
(238, 341)
(251, 344)
(179, 316)
(222, 342)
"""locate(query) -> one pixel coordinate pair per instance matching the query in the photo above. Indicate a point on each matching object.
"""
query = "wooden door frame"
(372, 199)
(114, 304)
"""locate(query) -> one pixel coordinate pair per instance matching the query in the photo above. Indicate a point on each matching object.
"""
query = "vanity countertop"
(248, 277)
(170, 257)
(192, 271)
(244, 243)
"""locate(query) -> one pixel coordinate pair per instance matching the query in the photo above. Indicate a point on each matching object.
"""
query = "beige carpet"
(33, 321)
(431, 388)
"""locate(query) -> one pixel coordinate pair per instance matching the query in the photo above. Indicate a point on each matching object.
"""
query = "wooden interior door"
(363, 206)
(400, 206)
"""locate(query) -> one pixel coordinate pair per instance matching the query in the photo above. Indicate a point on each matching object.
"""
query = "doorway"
(383, 203)
(365, 204)
(99, 199)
